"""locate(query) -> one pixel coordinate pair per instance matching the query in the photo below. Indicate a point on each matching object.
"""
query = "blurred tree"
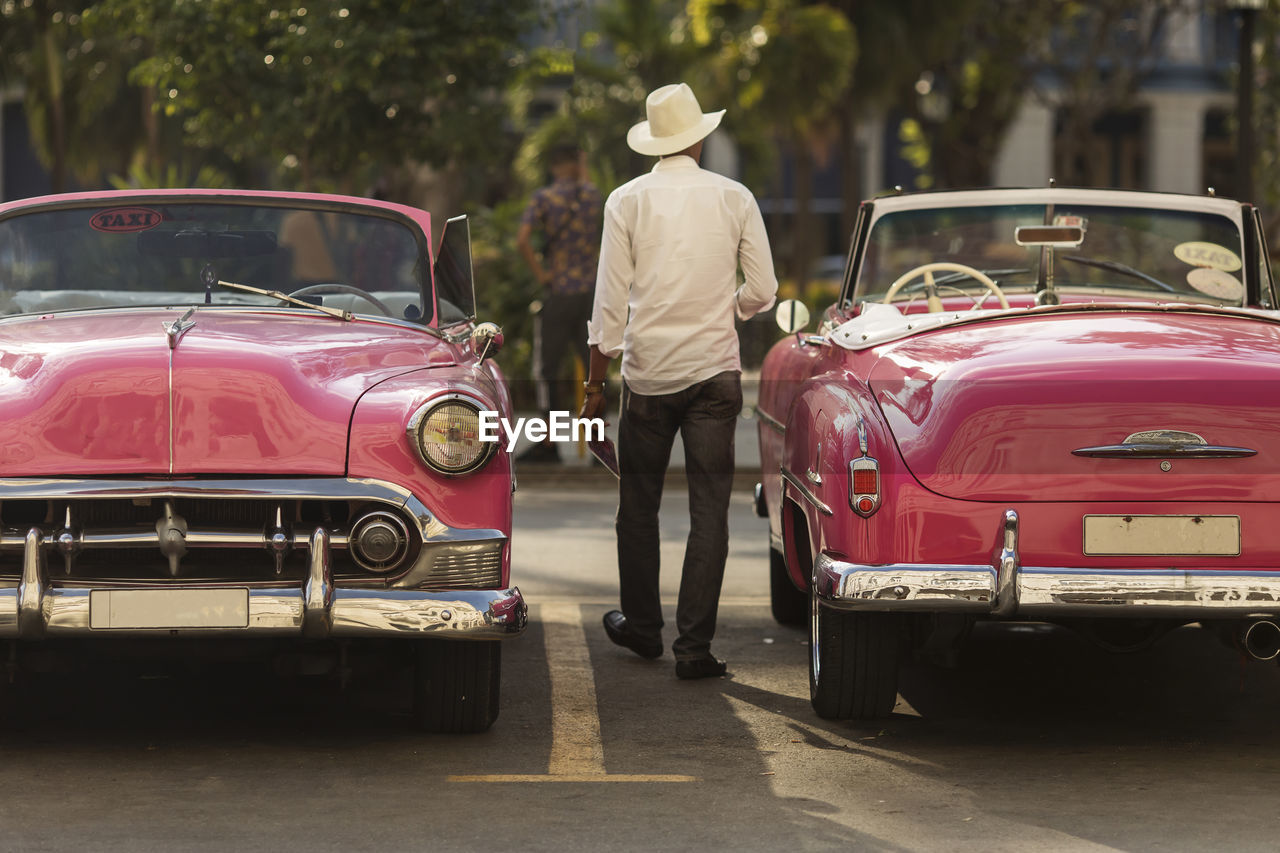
(1266, 114)
(1092, 64)
(892, 53)
(75, 89)
(330, 91)
(971, 88)
(633, 47)
(784, 67)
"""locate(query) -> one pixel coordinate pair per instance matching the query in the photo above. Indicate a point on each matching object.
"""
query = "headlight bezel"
(423, 413)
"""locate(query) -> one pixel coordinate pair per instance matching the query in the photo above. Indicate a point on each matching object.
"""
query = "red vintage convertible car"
(243, 414)
(1053, 405)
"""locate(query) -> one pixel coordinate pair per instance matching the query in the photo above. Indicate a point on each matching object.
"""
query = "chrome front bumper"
(34, 608)
(1005, 588)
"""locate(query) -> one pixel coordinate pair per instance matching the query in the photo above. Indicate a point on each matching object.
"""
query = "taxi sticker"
(1209, 255)
(125, 220)
(1216, 283)
(1062, 220)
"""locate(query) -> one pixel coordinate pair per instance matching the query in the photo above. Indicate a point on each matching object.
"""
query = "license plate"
(168, 608)
(1162, 535)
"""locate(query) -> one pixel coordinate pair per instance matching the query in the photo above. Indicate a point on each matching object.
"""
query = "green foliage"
(332, 90)
(85, 119)
(505, 288)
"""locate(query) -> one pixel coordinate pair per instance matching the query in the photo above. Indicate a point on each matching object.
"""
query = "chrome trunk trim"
(1161, 443)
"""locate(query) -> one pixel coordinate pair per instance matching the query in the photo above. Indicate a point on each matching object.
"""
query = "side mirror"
(486, 340)
(792, 316)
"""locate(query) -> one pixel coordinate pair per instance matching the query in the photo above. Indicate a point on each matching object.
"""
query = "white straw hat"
(675, 121)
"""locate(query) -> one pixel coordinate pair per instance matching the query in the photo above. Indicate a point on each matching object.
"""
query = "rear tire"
(853, 662)
(455, 685)
(790, 605)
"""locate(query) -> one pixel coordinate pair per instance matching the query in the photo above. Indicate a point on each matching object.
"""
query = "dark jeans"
(560, 330)
(705, 415)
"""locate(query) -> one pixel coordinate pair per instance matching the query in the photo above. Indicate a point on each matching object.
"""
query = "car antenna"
(209, 276)
(1213, 193)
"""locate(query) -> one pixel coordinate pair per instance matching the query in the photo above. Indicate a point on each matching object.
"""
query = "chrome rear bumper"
(1004, 588)
(34, 608)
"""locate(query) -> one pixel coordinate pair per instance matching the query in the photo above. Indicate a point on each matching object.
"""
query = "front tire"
(790, 605)
(455, 685)
(853, 662)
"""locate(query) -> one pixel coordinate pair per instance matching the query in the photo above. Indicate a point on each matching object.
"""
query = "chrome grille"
(481, 569)
(181, 538)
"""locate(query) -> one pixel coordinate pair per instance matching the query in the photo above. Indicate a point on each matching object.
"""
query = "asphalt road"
(1034, 741)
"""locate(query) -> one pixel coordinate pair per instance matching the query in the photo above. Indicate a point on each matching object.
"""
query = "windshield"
(152, 252)
(1126, 253)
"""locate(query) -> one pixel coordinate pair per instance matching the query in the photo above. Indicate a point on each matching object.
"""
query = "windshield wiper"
(1123, 269)
(284, 297)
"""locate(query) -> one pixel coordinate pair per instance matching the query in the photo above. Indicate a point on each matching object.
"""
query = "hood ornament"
(179, 328)
(1163, 443)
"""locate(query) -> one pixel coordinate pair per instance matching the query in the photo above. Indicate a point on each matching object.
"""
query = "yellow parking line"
(577, 750)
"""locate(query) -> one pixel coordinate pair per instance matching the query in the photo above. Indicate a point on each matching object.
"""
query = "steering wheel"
(931, 289)
(345, 288)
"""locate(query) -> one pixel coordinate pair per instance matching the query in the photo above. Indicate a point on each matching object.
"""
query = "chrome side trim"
(1007, 568)
(770, 421)
(804, 491)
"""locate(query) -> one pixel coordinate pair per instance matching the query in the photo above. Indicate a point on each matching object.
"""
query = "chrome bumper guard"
(35, 608)
(1004, 588)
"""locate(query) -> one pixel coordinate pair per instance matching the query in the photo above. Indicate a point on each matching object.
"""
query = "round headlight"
(447, 436)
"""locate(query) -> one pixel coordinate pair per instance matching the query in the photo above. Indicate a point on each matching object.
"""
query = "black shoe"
(542, 453)
(615, 625)
(704, 667)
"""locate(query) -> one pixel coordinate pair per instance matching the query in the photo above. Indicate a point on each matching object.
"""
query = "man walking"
(567, 214)
(666, 297)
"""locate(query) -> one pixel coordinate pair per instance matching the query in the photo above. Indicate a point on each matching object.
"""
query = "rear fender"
(822, 439)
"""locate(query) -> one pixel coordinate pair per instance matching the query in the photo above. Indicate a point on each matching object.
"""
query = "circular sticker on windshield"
(1209, 255)
(1216, 283)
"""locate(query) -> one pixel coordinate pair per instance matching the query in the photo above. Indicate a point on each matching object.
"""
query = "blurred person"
(566, 214)
(666, 298)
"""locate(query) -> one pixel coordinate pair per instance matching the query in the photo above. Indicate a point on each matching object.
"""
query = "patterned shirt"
(567, 213)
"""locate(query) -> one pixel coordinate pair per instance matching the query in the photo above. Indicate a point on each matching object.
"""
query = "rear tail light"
(864, 485)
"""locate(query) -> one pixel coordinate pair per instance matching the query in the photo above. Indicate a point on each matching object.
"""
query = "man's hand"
(594, 406)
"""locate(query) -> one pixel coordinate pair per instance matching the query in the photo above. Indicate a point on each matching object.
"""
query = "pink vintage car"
(1054, 405)
(249, 414)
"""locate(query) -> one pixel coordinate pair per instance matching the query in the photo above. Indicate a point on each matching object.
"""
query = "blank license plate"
(1162, 535)
(168, 608)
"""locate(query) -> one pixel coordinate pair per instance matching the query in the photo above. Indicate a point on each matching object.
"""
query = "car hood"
(994, 411)
(103, 393)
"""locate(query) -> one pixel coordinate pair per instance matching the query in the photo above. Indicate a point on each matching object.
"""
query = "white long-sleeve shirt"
(667, 287)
